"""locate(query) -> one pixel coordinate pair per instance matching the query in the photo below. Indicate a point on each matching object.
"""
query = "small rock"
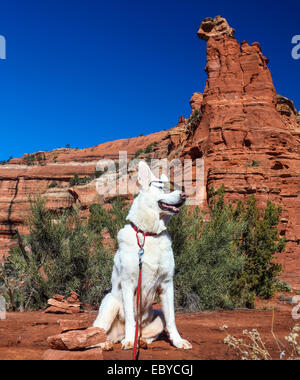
(58, 297)
(57, 310)
(69, 325)
(74, 295)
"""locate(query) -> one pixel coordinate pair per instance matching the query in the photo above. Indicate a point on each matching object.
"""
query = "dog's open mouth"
(170, 208)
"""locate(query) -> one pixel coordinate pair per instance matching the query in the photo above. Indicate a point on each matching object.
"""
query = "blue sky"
(82, 72)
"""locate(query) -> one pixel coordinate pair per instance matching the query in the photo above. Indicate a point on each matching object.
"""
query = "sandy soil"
(23, 335)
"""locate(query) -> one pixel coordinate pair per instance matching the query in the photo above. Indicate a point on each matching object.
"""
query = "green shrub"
(150, 147)
(113, 219)
(282, 286)
(208, 262)
(4, 162)
(225, 259)
(138, 153)
(64, 254)
(194, 120)
(52, 185)
(77, 181)
(260, 242)
(29, 159)
(253, 164)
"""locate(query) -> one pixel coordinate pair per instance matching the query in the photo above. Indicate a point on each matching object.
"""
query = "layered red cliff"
(248, 136)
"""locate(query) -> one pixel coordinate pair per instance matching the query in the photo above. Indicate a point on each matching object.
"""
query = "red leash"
(138, 295)
(134, 357)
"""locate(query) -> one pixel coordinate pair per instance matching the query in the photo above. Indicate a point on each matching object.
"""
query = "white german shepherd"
(149, 213)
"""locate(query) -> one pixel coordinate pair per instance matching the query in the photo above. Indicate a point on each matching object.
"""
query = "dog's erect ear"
(145, 175)
(164, 178)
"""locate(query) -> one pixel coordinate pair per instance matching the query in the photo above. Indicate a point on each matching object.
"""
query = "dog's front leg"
(128, 302)
(167, 298)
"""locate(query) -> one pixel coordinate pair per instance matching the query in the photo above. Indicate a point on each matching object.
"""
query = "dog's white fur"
(117, 311)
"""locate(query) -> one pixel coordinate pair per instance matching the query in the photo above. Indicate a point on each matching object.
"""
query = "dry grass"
(252, 346)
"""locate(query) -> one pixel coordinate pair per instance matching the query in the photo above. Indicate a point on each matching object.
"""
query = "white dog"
(149, 214)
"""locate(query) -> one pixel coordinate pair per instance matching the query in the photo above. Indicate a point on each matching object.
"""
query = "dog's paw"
(183, 344)
(127, 344)
(106, 346)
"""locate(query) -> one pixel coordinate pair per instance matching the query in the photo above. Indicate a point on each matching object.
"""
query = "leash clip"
(141, 253)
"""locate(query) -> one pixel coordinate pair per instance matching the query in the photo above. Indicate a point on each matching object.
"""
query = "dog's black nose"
(183, 196)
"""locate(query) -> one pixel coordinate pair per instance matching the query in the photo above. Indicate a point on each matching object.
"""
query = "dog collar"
(138, 231)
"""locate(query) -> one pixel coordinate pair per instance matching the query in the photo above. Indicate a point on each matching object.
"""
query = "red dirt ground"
(23, 335)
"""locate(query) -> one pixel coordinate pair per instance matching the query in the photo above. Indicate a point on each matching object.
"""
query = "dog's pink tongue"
(170, 207)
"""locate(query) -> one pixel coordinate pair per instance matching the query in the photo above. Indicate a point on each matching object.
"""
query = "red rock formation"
(215, 27)
(59, 305)
(248, 136)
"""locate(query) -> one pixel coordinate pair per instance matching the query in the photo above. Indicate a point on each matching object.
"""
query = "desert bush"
(52, 185)
(112, 219)
(253, 164)
(259, 243)
(150, 147)
(63, 255)
(4, 162)
(29, 159)
(208, 262)
(253, 347)
(194, 120)
(282, 286)
(224, 258)
(138, 153)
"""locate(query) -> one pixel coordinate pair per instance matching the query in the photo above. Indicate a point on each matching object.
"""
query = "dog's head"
(154, 201)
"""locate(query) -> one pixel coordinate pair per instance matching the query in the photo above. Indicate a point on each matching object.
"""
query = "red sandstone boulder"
(77, 340)
(58, 310)
(70, 325)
